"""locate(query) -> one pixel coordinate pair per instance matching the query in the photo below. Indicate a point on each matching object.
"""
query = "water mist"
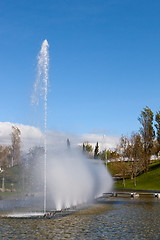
(73, 179)
(59, 176)
(68, 176)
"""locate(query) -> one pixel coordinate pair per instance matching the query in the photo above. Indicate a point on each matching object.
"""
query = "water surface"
(113, 218)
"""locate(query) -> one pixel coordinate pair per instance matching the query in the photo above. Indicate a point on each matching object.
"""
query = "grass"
(12, 176)
(146, 181)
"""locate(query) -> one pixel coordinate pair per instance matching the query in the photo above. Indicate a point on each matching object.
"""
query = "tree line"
(136, 150)
(133, 154)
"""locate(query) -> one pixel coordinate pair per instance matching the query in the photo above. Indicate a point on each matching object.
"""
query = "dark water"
(113, 218)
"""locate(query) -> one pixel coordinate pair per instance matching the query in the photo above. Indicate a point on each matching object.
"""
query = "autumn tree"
(157, 125)
(123, 148)
(4, 153)
(113, 155)
(16, 145)
(136, 147)
(123, 170)
(122, 165)
(147, 133)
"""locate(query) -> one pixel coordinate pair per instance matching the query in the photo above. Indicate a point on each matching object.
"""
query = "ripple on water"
(115, 219)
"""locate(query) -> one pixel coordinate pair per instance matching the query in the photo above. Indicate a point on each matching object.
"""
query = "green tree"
(87, 149)
(96, 151)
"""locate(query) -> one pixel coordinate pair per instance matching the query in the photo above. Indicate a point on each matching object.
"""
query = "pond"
(108, 218)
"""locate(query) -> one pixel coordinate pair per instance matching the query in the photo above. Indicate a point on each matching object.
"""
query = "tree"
(68, 143)
(103, 155)
(96, 151)
(87, 149)
(34, 169)
(147, 133)
(84, 148)
(4, 152)
(157, 125)
(124, 148)
(124, 152)
(136, 155)
(15, 147)
(123, 170)
(112, 155)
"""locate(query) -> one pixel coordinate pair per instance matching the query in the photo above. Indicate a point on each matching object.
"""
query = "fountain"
(69, 178)
(41, 89)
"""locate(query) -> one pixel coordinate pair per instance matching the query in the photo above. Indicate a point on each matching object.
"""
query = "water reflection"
(113, 218)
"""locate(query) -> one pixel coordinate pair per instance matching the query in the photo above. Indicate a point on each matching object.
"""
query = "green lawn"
(12, 176)
(146, 181)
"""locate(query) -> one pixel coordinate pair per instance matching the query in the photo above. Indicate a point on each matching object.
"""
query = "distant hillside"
(146, 181)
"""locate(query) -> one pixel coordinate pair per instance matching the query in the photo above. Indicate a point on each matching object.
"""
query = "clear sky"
(104, 62)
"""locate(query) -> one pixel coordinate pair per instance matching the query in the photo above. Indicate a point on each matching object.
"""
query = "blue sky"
(104, 62)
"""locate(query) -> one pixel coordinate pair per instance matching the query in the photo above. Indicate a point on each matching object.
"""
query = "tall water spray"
(68, 176)
(58, 177)
(41, 90)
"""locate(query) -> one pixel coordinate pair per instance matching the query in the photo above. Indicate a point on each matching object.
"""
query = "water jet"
(64, 178)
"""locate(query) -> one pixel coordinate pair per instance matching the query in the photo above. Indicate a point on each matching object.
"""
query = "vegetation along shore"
(134, 163)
